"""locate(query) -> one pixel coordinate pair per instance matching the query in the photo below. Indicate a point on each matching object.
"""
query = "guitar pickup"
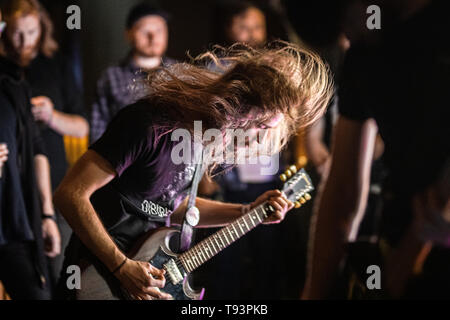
(174, 273)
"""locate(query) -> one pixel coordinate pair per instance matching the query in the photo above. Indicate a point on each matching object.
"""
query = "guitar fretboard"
(209, 247)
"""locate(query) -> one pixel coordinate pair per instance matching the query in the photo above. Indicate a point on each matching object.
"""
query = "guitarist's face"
(268, 124)
(273, 123)
(260, 131)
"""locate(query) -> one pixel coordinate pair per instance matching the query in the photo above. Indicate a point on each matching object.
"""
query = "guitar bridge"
(173, 272)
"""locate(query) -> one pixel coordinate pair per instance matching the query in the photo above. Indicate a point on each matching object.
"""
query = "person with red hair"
(28, 229)
(56, 102)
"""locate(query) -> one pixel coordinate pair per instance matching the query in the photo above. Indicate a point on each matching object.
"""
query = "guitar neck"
(209, 247)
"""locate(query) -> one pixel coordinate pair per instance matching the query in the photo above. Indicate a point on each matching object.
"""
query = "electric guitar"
(155, 247)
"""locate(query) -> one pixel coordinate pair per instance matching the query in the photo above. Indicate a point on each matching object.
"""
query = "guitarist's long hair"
(221, 87)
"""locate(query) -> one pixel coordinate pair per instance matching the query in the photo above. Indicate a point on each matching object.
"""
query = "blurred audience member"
(56, 103)
(147, 34)
(394, 82)
(244, 22)
(26, 209)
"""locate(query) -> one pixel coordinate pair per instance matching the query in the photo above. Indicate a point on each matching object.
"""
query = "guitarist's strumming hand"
(142, 280)
(278, 201)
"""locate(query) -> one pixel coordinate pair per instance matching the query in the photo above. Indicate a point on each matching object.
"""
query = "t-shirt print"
(148, 184)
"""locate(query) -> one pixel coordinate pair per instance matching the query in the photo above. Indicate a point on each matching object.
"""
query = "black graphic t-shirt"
(148, 186)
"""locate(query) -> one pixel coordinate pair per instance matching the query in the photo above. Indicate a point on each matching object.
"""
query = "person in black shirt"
(130, 181)
(395, 81)
(56, 102)
(25, 193)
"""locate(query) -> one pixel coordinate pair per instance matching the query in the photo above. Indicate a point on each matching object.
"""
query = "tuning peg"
(302, 200)
(283, 177)
(288, 173)
(307, 196)
(293, 169)
(297, 204)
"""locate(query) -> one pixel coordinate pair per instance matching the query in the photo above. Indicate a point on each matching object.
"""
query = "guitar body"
(154, 248)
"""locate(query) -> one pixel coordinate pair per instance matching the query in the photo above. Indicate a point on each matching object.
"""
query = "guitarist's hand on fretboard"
(142, 281)
(278, 202)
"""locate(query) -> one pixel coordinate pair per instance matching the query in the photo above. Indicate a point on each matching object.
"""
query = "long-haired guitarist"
(128, 183)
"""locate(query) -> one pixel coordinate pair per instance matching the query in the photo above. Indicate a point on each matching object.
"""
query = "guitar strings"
(179, 261)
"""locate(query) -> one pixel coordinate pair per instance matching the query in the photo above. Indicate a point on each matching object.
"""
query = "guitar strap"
(192, 214)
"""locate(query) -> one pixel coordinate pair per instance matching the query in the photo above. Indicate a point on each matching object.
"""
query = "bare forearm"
(328, 236)
(316, 150)
(341, 205)
(86, 224)
(42, 169)
(216, 214)
(67, 124)
(213, 213)
(318, 153)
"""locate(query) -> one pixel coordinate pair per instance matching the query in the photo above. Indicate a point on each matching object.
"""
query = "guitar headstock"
(297, 185)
